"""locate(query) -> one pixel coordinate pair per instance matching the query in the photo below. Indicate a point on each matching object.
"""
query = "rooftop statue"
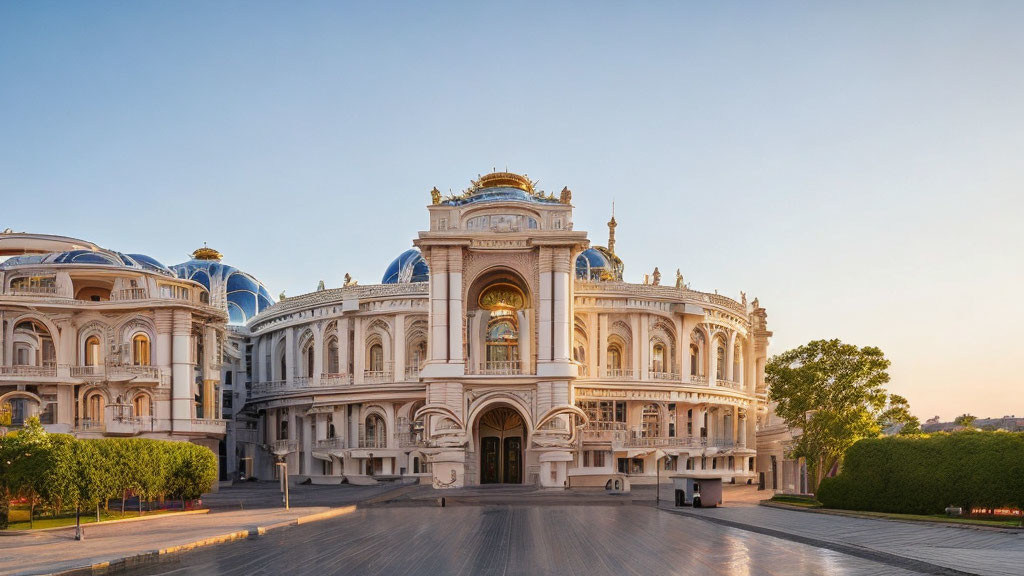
(320, 287)
(435, 196)
(679, 279)
(566, 197)
(656, 277)
(349, 281)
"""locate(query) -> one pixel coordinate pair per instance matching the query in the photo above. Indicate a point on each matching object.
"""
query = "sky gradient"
(857, 167)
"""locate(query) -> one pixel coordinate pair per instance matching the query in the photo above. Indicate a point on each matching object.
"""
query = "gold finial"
(435, 196)
(207, 253)
(611, 230)
(566, 197)
(502, 179)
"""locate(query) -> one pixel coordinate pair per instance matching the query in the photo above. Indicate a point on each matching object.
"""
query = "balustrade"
(728, 384)
(664, 376)
(698, 380)
(499, 368)
(328, 443)
(620, 374)
(29, 371)
(129, 294)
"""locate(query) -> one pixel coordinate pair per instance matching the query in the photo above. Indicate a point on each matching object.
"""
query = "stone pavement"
(930, 548)
(233, 509)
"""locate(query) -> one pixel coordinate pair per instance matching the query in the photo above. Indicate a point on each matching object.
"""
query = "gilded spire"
(611, 230)
(207, 253)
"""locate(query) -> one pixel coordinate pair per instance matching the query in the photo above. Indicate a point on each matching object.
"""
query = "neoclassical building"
(504, 348)
(101, 343)
(501, 348)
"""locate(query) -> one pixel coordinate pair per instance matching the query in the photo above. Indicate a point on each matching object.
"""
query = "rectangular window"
(593, 459)
(586, 458)
(672, 429)
(620, 411)
(670, 463)
(636, 466)
(623, 465)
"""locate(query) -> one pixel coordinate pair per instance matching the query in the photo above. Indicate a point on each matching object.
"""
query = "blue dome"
(91, 257)
(408, 267)
(598, 264)
(501, 194)
(246, 296)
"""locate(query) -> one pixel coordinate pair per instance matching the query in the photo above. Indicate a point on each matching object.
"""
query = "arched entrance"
(502, 433)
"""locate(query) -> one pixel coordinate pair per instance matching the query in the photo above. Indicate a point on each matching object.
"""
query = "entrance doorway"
(501, 434)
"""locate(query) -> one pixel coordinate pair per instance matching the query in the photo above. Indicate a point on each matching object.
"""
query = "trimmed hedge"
(923, 475)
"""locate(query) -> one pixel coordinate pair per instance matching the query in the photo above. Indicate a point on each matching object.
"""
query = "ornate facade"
(100, 343)
(502, 348)
(506, 349)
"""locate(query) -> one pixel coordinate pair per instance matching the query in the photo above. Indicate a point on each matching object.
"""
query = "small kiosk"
(698, 489)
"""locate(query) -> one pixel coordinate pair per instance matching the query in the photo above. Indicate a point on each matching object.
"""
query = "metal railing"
(412, 372)
(283, 446)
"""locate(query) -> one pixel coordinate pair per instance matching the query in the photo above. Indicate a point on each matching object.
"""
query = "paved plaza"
(519, 530)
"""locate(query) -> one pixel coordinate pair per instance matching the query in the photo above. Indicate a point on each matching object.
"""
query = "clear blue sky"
(857, 167)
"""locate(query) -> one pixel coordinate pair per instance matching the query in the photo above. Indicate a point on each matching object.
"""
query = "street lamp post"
(283, 468)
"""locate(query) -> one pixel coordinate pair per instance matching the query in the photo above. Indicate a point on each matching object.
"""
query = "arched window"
(284, 368)
(330, 430)
(658, 358)
(720, 365)
(651, 423)
(333, 357)
(377, 358)
(614, 358)
(419, 353)
(694, 359)
(141, 406)
(376, 432)
(309, 361)
(502, 340)
(94, 407)
(140, 350)
(92, 351)
(737, 374)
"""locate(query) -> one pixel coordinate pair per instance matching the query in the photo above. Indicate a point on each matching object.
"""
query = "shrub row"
(62, 472)
(923, 475)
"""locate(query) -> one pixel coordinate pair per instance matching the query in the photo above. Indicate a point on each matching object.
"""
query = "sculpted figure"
(435, 195)
(656, 276)
(349, 281)
(679, 279)
(320, 287)
(566, 197)
(281, 297)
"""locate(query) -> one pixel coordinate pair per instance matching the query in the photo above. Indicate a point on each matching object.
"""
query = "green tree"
(192, 471)
(26, 460)
(965, 420)
(897, 413)
(834, 392)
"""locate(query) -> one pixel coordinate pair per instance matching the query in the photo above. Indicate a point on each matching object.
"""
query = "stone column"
(289, 355)
(318, 353)
(730, 351)
(343, 348)
(645, 346)
(307, 444)
(636, 358)
(712, 360)
(182, 396)
(525, 339)
(682, 349)
(562, 317)
(593, 344)
(544, 343)
(438, 341)
(602, 345)
(398, 349)
(455, 350)
(358, 350)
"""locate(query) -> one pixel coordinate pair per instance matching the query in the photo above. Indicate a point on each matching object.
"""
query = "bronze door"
(489, 472)
(513, 460)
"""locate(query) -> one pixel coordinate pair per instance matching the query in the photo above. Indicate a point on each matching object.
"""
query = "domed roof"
(408, 267)
(91, 257)
(598, 264)
(501, 186)
(244, 295)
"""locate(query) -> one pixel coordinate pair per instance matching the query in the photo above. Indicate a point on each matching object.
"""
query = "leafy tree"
(834, 392)
(26, 459)
(193, 470)
(965, 420)
(897, 413)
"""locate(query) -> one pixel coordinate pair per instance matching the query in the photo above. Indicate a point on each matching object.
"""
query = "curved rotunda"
(504, 348)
